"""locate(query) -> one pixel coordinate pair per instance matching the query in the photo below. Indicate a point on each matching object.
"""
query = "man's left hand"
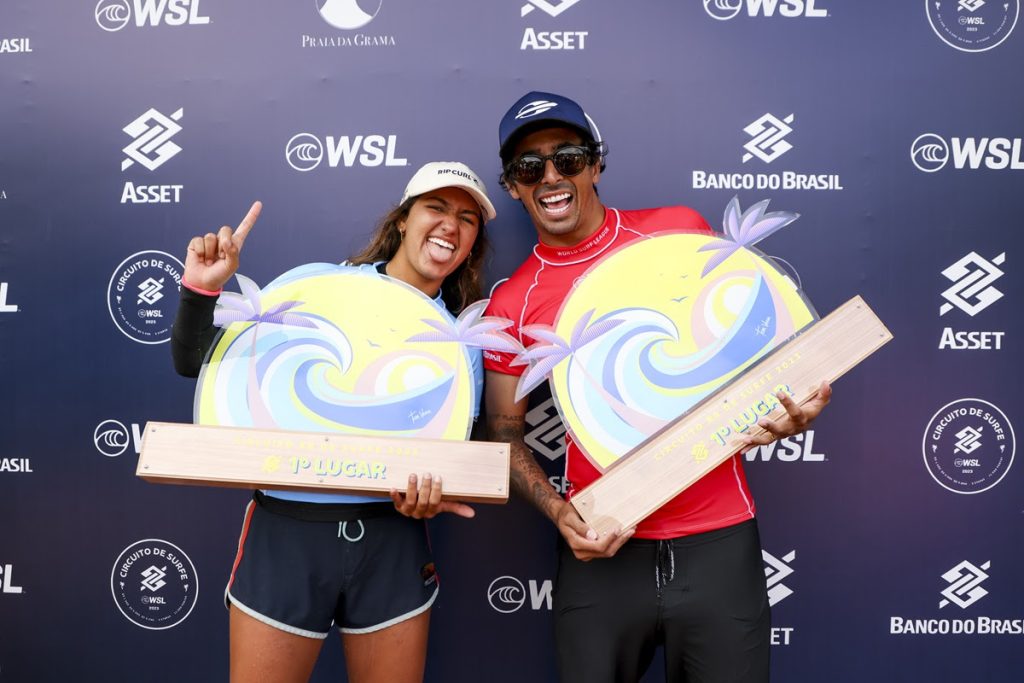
(797, 418)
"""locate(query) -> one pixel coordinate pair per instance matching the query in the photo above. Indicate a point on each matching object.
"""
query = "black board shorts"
(301, 573)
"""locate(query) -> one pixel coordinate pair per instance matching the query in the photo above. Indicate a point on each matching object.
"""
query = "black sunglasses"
(529, 168)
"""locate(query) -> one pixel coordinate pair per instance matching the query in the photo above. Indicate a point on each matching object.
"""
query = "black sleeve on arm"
(193, 332)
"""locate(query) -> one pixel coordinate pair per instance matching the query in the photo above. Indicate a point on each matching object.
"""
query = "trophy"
(671, 347)
(336, 378)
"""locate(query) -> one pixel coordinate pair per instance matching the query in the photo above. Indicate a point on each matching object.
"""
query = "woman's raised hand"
(212, 259)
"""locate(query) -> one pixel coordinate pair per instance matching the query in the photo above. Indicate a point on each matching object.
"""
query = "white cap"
(438, 174)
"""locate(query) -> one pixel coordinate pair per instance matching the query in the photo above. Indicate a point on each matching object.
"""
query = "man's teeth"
(554, 199)
(441, 243)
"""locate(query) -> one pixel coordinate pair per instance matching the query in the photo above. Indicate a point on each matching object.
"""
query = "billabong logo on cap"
(534, 108)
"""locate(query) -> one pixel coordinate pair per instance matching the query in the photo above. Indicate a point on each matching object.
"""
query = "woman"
(306, 560)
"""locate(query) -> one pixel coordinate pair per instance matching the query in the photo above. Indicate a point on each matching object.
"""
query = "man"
(689, 576)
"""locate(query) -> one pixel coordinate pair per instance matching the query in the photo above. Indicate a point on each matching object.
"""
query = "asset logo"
(968, 446)
(723, 10)
(534, 39)
(550, 8)
(768, 138)
(972, 277)
(964, 581)
(151, 145)
(15, 45)
(16, 465)
(154, 584)
(141, 296)
(775, 570)
(767, 143)
(114, 15)
(546, 432)
(7, 585)
(4, 306)
(112, 438)
(931, 153)
(972, 25)
(507, 594)
(972, 292)
(305, 151)
(795, 448)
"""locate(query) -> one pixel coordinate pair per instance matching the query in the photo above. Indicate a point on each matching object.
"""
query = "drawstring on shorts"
(343, 531)
(664, 564)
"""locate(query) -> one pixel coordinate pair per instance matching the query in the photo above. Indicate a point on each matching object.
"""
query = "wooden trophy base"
(241, 457)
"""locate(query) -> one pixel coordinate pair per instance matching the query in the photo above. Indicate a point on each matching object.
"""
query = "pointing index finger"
(250, 220)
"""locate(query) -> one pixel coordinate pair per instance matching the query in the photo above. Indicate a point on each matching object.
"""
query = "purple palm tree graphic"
(551, 349)
(472, 329)
(742, 229)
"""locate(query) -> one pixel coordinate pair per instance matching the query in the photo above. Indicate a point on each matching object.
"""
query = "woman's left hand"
(424, 501)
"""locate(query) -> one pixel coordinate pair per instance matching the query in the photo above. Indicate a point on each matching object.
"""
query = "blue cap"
(541, 108)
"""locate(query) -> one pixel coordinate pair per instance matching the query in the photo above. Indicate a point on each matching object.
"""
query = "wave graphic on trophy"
(336, 348)
(657, 325)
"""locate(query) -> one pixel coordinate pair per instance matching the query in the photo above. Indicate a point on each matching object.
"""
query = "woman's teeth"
(441, 243)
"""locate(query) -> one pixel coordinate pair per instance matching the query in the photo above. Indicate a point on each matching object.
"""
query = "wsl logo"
(931, 153)
(964, 581)
(534, 39)
(305, 151)
(723, 10)
(968, 446)
(154, 584)
(141, 296)
(507, 594)
(112, 438)
(6, 307)
(114, 15)
(796, 448)
(972, 25)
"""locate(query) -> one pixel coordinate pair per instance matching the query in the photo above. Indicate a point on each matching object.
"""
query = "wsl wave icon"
(722, 10)
(113, 15)
(309, 353)
(304, 152)
(929, 153)
(348, 15)
(623, 362)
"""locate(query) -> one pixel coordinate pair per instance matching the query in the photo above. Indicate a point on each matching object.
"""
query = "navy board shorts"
(302, 567)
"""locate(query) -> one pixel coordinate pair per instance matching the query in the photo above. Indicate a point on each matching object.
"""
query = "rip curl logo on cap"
(535, 108)
(929, 153)
(113, 15)
(722, 10)
(506, 594)
(304, 152)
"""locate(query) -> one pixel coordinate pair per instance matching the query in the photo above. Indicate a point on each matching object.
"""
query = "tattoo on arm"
(527, 477)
